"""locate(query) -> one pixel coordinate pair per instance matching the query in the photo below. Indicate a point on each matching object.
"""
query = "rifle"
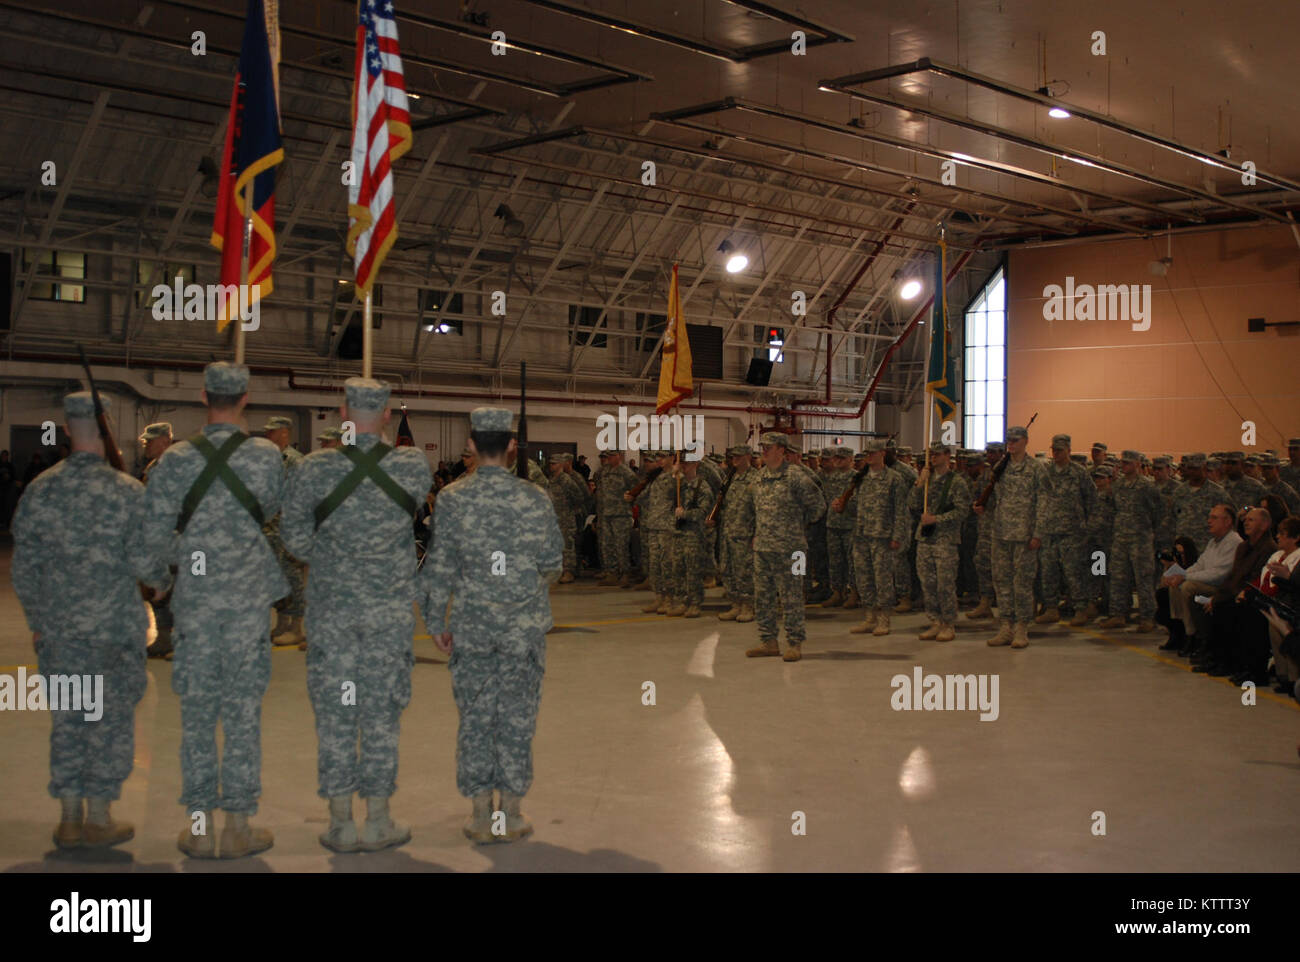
(521, 445)
(712, 519)
(111, 453)
(852, 489)
(999, 469)
(636, 489)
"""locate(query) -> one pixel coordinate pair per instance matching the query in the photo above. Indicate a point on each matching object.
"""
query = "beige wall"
(1155, 390)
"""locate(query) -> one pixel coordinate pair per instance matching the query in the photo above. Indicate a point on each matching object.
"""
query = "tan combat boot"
(625, 581)
(68, 832)
(868, 622)
(341, 836)
(768, 649)
(608, 581)
(651, 606)
(903, 607)
(1144, 627)
(1091, 612)
(199, 846)
(239, 839)
(982, 610)
(518, 825)
(478, 827)
(931, 632)
(1003, 637)
(1050, 616)
(851, 599)
(100, 830)
(1115, 621)
(664, 604)
(946, 633)
(1079, 620)
(836, 600)
(289, 631)
(711, 581)
(1021, 635)
(793, 653)
(746, 613)
(692, 611)
(676, 609)
(380, 831)
(567, 578)
(730, 614)
(882, 622)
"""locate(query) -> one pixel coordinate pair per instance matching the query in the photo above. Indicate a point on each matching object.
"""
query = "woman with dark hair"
(1278, 580)
(1276, 508)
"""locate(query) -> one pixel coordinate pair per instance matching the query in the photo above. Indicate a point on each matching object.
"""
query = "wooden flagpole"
(238, 318)
(365, 339)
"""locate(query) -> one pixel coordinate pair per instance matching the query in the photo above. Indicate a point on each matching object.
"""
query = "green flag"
(941, 374)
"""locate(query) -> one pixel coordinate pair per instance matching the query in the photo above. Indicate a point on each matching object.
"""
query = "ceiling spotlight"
(736, 261)
(512, 226)
(1058, 112)
(910, 289)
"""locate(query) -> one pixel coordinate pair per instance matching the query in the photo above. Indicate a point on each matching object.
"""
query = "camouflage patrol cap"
(938, 447)
(160, 429)
(974, 457)
(1233, 456)
(737, 450)
(1268, 461)
(904, 451)
(860, 455)
(365, 394)
(1100, 445)
(1103, 471)
(277, 421)
(995, 446)
(1252, 459)
(1293, 442)
(1017, 432)
(491, 420)
(875, 444)
(1219, 454)
(80, 406)
(770, 438)
(603, 454)
(222, 377)
(1112, 459)
(330, 434)
(1163, 461)
(1214, 463)
(556, 458)
(1060, 440)
(843, 451)
(717, 457)
(1079, 458)
(566, 457)
(828, 452)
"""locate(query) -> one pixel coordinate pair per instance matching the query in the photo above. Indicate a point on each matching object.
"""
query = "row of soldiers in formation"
(1060, 535)
(89, 540)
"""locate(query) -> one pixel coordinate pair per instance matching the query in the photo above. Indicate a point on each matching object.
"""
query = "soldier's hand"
(927, 518)
(1035, 544)
(679, 513)
(838, 505)
(977, 508)
(443, 642)
(894, 545)
(923, 477)
(627, 495)
(710, 522)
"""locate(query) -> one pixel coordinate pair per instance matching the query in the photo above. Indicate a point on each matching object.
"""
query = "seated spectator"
(1202, 577)
(1237, 640)
(1278, 574)
(1275, 507)
(1184, 556)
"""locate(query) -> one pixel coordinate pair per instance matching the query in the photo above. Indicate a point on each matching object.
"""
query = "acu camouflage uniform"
(687, 586)
(738, 540)
(1017, 519)
(905, 566)
(295, 572)
(658, 500)
(883, 517)
(1101, 531)
(1069, 500)
(937, 555)
(566, 500)
(1245, 492)
(839, 529)
(614, 517)
(1132, 560)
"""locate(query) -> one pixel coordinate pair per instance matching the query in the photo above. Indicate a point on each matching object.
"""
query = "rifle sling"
(217, 467)
(365, 465)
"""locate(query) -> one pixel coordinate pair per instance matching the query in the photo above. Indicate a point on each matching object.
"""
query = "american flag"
(381, 132)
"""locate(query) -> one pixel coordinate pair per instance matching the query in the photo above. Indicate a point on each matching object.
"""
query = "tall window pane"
(984, 400)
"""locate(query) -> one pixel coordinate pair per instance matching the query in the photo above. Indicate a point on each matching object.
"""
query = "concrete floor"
(709, 778)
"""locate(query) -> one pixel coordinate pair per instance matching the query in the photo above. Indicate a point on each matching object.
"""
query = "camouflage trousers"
(936, 566)
(569, 532)
(91, 759)
(660, 571)
(221, 671)
(708, 563)
(295, 572)
(839, 551)
(497, 693)
(873, 564)
(819, 553)
(739, 569)
(615, 538)
(774, 585)
(1061, 566)
(905, 569)
(359, 679)
(687, 585)
(1098, 585)
(984, 561)
(967, 578)
(1015, 565)
(1132, 565)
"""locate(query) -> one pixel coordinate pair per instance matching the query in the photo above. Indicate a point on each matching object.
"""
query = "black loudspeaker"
(760, 372)
(350, 343)
(6, 289)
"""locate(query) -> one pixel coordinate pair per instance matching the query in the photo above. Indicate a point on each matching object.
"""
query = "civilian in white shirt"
(1209, 571)
(1281, 565)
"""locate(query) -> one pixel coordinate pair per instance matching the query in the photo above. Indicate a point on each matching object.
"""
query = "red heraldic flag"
(675, 383)
(381, 132)
(248, 163)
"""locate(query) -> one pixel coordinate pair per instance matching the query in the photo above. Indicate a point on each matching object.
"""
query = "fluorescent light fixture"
(910, 290)
(736, 261)
(1059, 113)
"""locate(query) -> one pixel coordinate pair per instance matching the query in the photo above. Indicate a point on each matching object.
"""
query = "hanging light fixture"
(736, 261)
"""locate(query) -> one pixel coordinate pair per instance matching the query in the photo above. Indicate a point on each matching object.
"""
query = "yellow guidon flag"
(675, 383)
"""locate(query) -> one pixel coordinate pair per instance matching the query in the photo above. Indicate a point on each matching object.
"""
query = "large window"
(56, 264)
(984, 405)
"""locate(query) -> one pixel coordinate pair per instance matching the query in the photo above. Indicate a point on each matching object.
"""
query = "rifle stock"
(521, 445)
(636, 489)
(998, 470)
(111, 453)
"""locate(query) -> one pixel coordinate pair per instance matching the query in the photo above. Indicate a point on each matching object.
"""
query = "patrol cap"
(1233, 456)
(1103, 471)
(875, 444)
(775, 437)
(1163, 461)
(974, 457)
(995, 446)
(566, 457)
(160, 429)
(1195, 460)
(1017, 433)
(602, 454)
(717, 457)
(938, 447)
(365, 394)
(330, 434)
(1079, 458)
(222, 377)
(1252, 459)
(1214, 463)
(1293, 442)
(80, 405)
(277, 421)
(1060, 440)
(491, 420)
(904, 450)
(843, 451)
(736, 450)
(1100, 445)
(1268, 461)
(1219, 454)
(829, 452)
(555, 458)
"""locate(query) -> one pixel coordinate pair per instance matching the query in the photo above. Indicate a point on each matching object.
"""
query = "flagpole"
(939, 296)
(238, 318)
(365, 338)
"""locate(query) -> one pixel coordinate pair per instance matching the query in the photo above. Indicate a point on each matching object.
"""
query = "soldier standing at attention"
(1193, 501)
(613, 479)
(780, 503)
(658, 500)
(738, 539)
(1018, 524)
(1132, 558)
(879, 535)
(156, 439)
(993, 453)
(1162, 474)
(687, 572)
(288, 629)
(1101, 530)
(936, 555)
(898, 459)
(206, 503)
(1069, 499)
(1098, 453)
(77, 537)
(1244, 492)
(497, 550)
(839, 527)
(347, 513)
(816, 588)
(972, 464)
(1290, 472)
(330, 438)
(565, 504)
(1273, 483)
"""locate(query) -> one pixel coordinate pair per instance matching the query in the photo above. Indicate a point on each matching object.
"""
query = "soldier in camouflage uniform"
(972, 465)
(1162, 475)
(156, 439)
(1290, 471)
(1273, 483)
(347, 513)
(1101, 531)
(839, 525)
(936, 554)
(330, 438)
(1132, 558)
(696, 500)
(565, 499)
(288, 629)
(738, 539)
(209, 525)
(658, 500)
(879, 536)
(613, 479)
(1069, 499)
(779, 503)
(1194, 499)
(78, 553)
(905, 581)
(497, 549)
(1244, 492)
(1018, 526)
(710, 469)
(993, 453)
(816, 588)
(535, 473)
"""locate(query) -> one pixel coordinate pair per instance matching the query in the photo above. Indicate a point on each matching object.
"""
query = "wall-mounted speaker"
(760, 372)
